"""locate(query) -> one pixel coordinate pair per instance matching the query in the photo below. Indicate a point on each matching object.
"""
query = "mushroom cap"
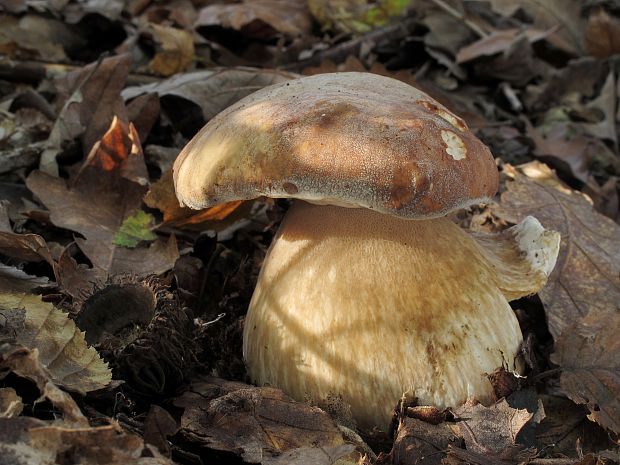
(346, 139)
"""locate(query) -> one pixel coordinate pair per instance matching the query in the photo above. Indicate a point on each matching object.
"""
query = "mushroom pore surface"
(369, 306)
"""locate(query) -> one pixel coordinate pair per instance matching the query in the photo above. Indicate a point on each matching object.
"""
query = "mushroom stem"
(369, 306)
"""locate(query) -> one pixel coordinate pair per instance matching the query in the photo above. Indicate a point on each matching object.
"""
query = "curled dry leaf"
(262, 425)
(25, 363)
(26, 247)
(61, 346)
(91, 97)
(498, 42)
(289, 17)
(107, 189)
(161, 195)
(10, 403)
(15, 280)
(27, 441)
(175, 50)
(585, 279)
(588, 353)
(213, 90)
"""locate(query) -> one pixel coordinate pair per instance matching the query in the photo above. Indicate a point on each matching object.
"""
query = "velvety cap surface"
(347, 139)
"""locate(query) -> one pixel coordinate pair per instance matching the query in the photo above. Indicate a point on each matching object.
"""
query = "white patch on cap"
(455, 146)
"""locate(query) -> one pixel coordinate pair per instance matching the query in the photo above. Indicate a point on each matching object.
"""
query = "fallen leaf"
(358, 16)
(551, 13)
(588, 353)
(498, 42)
(418, 442)
(25, 363)
(26, 247)
(10, 403)
(36, 37)
(143, 113)
(514, 455)
(159, 424)
(605, 103)
(27, 441)
(15, 280)
(161, 195)
(62, 349)
(589, 258)
(91, 97)
(490, 429)
(135, 229)
(262, 19)
(107, 189)
(174, 49)
(212, 90)
(602, 33)
(260, 424)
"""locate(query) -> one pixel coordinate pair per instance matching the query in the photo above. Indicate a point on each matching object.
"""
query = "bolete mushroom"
(367, 290)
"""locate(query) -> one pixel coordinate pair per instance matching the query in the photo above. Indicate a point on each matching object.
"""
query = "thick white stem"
(369, 306)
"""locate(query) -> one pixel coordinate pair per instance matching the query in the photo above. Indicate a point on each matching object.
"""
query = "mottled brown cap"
(347, 139)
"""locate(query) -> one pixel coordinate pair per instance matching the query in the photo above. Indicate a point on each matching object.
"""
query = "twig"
(456, 14)
(32, 72)
(341, 51)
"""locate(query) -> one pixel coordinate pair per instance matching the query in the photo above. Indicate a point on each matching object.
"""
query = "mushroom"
(368, 291)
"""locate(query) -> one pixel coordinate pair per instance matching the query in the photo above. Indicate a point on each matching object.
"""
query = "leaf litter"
(161, 291)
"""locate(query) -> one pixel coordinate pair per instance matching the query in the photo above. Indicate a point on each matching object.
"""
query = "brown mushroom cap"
(347, 139)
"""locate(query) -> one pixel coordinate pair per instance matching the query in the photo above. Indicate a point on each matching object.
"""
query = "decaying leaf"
(418, 442)
(490, 429)
(588, 353)
(27, 247)
(161, 195)
(498, 42)
(27, 441)
(511, 456)
(10, 403)
(25, 363)
(62, 349)
(262, 425)
(91, 100)
(602, 33)
(175, 51)
(355, 15)
(212, 90)
(259, 18)
(107, 189)
(589, 258)
(15, 280)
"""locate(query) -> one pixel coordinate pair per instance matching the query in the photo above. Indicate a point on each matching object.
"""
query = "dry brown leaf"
(588, 353)
(161, 195)
(27, 441)
(213, 90)
(498, 42)
(26, 247)
(25, 363)
(15, 280)
(551, 13)
(511, 456)
(418, 442)
(107, 189)
(490, 429)
(262, 425)
(259, 18)
(585, 279)
(174, 52)
(61, 345)
(602, 33)
(10, 403)
(91, 99)
(605, 103)
(36, 37)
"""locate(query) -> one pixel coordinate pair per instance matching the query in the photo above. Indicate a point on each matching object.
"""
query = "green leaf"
(135, 228)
